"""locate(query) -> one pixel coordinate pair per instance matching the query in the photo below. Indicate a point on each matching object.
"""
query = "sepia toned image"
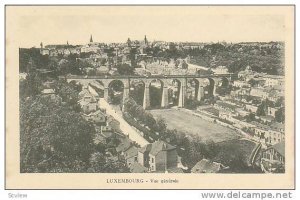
(150, 97)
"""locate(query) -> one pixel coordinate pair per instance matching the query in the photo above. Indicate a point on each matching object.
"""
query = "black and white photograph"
(153, 89)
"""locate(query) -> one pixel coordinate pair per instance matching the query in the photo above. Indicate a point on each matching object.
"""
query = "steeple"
(67, 42)
(91, 39)
(129, 42)
(145, 40)
(41, 45)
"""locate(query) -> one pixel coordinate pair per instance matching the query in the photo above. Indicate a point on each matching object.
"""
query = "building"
(131, 155)
(22, 76)
(273, 158)
(259, 92)
(158, 156)
(207, 166)
(272, 111)
(220, 70)
(251, 108)
(87, 102)
(268, 135)
(123, 146)
(98, 117)
(137, 168)
(273, 80)
(241, 84)
(220, 105)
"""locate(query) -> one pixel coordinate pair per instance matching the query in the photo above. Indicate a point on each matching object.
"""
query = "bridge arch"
(223, 86)
(193, 89)
(176, 95)
(224, 82)
(115, 91)
(209, 88)
(156, 93)
(137, 90)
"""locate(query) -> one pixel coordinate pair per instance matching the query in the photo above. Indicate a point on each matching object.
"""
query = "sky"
(57, 25)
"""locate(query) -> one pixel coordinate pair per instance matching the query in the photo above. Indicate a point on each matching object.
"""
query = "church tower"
(41, 45)
(145, 40)
(128, 42)
(91, 39)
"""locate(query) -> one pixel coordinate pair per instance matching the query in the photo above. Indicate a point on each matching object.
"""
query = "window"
(152, 159)
(135, 158)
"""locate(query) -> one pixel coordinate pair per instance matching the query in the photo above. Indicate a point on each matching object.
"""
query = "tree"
(53, 138)
(69, 94)
(31, 86)
(250, 117)
(280, 115)
(279, 102)
(261, 109)
(252, 82)
(160, 125)
(125, 69)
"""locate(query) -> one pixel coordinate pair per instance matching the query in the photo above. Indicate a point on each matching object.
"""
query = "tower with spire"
(91, 39)
(129, 42)
(146, 41)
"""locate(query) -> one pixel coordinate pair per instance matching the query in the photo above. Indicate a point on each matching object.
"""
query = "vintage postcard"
(150, 97)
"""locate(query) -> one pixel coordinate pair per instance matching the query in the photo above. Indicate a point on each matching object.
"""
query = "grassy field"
(191, 124)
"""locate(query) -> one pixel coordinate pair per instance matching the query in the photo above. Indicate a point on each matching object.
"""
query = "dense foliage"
(53, 137)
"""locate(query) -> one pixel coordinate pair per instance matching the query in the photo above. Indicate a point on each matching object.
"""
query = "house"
(241, 84)
(137, 168)
(131, 155)
(98, 117)
(159, 156)
(271, 111)
(45, 51)
(89, 48)
(261, 131)
(88, 107)
(124, 145)
(225, 106)
(267, 118)
(273, 80)
(269, 135)
(53, 52)
(273, 158)
(143, 155)
(48, 91)
(88, 103)
(22, 76)
(251, 108)
(207, 166)
(259, 92)
(220, 70)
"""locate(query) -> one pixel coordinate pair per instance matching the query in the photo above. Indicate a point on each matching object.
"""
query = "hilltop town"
(153, 107)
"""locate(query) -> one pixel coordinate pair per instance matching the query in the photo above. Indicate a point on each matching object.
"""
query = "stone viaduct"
(200, 80)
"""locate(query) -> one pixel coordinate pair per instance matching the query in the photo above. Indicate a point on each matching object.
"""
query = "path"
(124, 126)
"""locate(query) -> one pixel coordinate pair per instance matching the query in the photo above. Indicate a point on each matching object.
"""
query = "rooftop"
(206, 166)
(137, 168)
(279, 147)
(159, 146)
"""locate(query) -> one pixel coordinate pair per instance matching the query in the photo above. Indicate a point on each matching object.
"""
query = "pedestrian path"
(124, 126)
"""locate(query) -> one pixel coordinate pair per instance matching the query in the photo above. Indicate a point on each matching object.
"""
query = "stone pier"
(165, 98)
